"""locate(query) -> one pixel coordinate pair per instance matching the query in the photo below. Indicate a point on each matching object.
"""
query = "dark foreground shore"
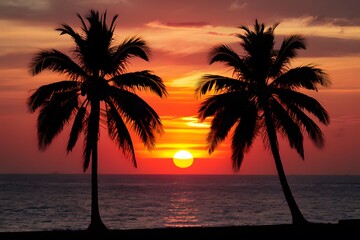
(286, 231)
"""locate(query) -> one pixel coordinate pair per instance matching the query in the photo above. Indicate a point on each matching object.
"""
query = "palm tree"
(262, 98)
(97, 90)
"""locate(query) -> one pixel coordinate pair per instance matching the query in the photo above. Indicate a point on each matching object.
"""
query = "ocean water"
(57, 201)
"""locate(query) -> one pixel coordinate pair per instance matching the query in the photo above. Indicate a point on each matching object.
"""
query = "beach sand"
(343, 230)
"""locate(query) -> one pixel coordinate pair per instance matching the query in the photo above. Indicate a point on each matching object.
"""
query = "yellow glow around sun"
(183, 159)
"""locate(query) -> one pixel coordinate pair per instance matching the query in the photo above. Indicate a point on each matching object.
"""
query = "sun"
(183, 159)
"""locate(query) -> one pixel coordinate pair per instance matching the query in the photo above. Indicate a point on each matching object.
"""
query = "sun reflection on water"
(182, 211)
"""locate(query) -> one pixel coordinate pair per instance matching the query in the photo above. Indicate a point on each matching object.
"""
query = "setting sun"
(183, 159)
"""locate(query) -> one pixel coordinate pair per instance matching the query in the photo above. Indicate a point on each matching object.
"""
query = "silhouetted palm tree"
(97, 88)
(262, 98)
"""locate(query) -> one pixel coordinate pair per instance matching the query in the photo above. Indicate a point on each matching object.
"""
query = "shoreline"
(345, 229)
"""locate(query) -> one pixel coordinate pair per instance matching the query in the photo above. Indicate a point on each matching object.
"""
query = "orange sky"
(180, 34)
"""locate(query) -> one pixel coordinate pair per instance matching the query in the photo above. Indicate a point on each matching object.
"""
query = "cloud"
(343, 21)
(27, 4)
(182, 123)
(159, 24)
(189, 81)
(237, 5)
(14, 60)
(187, 24)
(125, 2)
(346, 120)
(330, 47)
(53, 13)
(184, 38)
(181, 132)
(222, 34)
(325, 38)
(309, 25)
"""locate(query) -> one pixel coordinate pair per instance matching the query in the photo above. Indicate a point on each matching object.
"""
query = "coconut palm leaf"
(287, 126)
(218, 84)
(215, 103)
(287, 52)
(119, 133)
(143, 80)
(304, 101)
(90, 139)
(229, 57)
(313, 130)
(77, 128)
(45, 92)
(144, 120)
(224, 119)
(308, 77)
(67, 30)
(244, 135)
(53, 116)
(131, 47)
(55, 61)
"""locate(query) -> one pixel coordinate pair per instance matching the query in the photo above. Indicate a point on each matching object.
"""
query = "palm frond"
(55, 61)
(244, 135)
(215, 103)
(258, 46)
(112, 24)
(287, 52)
(76, 129)
(141, 80)
(44, 93)
(88, 148)
(131, 47)
(91, 134)
(84, 27)
(144, 120)
(119, 133)
(287, 126)
(308, 77)
(227, 55)
(95, 51)
(218, 84)
(53, 115)
(304, 101)
(66, 29)
(99, 33)
(221, 124)
(313, 130)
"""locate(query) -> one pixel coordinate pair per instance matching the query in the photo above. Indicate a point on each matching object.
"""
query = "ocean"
(37, 202)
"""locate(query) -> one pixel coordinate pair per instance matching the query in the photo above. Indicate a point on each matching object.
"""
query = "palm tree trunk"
(297, 217)
(96, 223)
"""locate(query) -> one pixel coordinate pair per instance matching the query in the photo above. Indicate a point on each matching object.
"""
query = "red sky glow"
(180, 35)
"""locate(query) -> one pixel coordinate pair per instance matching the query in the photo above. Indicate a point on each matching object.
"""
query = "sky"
(180, 35)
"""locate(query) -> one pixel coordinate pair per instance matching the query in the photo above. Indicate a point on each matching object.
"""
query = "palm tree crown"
(97, 74)
(262, 97)
(97, 89)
